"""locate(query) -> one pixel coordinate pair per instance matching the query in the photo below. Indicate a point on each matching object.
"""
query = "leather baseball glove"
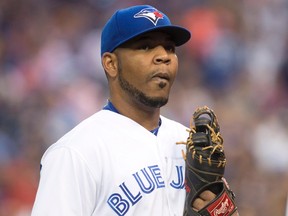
(205, 165)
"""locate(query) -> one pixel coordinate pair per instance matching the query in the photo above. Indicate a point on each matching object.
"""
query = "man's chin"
(154, 102)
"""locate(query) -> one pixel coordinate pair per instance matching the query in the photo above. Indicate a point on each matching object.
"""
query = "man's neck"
(146, 116)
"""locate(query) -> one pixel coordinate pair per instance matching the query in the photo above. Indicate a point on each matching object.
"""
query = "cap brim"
(178, 34)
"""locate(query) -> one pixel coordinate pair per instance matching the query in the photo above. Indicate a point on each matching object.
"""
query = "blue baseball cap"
(128, 23)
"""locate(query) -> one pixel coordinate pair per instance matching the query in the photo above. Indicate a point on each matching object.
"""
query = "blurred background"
(237, 63)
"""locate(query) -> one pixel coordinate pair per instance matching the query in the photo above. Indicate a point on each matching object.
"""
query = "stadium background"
(236, 63)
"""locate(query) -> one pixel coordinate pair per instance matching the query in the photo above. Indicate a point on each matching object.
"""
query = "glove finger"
(198, 204)
(207, 195)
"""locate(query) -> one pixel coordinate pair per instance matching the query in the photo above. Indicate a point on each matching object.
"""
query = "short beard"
(154, 102)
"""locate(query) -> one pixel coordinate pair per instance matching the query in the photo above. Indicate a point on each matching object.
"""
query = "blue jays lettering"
(147, 180)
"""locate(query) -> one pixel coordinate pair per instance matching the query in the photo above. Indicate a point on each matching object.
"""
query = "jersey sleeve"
(66, 185)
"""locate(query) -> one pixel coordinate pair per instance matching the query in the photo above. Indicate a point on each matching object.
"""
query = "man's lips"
(161, 76)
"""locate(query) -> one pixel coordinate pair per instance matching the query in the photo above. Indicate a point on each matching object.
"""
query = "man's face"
(147, 67)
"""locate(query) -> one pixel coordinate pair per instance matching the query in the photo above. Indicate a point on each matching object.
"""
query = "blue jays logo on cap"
(151, 14)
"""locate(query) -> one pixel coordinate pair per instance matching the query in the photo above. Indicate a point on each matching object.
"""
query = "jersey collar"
(111, 107)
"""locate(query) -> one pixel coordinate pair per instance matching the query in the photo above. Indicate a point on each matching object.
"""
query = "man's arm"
(65, 187)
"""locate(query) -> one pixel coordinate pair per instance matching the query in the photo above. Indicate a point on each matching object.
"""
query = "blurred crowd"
(236, 63)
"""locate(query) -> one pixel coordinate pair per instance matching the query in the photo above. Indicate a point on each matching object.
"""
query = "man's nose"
(162, 56)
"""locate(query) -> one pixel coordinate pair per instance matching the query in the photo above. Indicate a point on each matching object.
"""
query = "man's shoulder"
(95, 122)
(173, 128)
(172, 123)
(95, 127)
(84, 129)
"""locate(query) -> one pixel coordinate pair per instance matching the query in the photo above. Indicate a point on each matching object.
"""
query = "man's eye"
(144, 47)
(170, 48)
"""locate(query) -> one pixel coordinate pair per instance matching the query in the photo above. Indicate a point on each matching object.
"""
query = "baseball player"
(123, 160)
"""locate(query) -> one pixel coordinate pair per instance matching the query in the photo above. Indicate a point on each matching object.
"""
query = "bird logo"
(151, 14)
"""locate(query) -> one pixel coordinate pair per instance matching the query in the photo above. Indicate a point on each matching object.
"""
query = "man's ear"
(110, 64)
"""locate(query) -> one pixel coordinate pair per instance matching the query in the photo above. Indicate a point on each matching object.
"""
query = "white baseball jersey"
(111, 165)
